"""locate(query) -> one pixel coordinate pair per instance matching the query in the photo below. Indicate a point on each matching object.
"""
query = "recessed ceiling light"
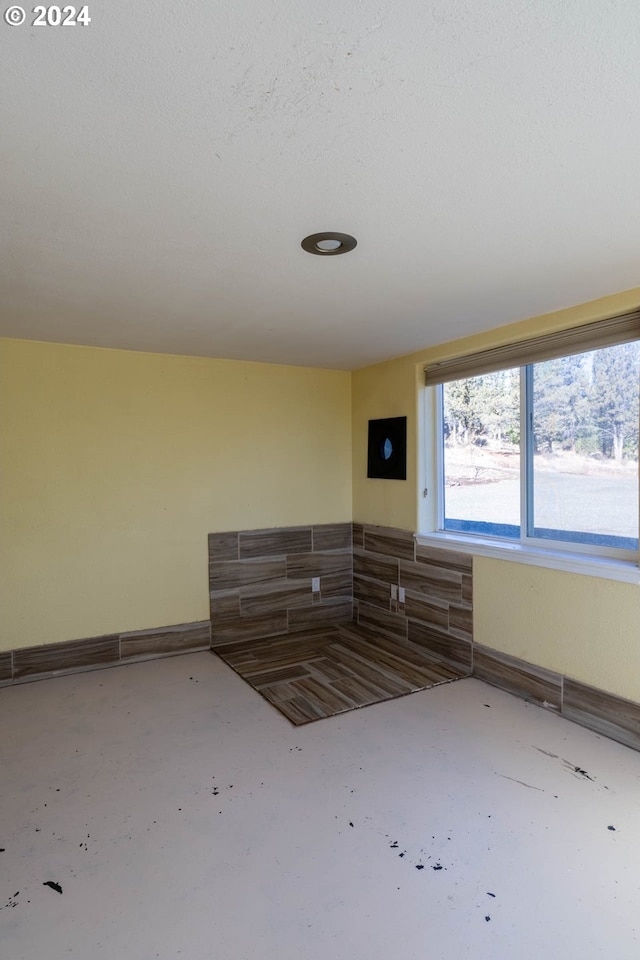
(328, 244)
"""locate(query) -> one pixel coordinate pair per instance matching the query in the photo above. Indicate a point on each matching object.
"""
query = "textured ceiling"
(161, 166)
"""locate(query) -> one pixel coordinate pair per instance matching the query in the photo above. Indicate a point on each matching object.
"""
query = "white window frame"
(607, 563)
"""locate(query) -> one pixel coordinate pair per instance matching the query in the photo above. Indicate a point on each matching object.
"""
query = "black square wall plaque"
(387, 458)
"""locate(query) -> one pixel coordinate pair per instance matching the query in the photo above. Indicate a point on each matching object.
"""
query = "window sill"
(604, 567)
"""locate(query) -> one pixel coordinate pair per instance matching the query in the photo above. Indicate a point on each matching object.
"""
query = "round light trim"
(328, 244)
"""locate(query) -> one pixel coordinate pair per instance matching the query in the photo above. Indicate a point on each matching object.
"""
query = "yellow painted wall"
(116, 465)
(584, 627)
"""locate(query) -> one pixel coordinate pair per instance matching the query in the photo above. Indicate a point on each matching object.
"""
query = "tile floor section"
(322, 672)
(181, 816)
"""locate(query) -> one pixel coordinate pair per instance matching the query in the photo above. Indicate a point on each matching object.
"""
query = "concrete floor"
(182, 816)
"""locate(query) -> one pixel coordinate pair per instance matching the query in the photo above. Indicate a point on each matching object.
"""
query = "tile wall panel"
(382, 621)
(275, 543)
(390, 541)
(467, 589)
(317, 564)
(331, 536)
(225, 604)
(371, 591)
(449, 559)
(231, 574)
(336, 610)
(375, 566)
(336, 585)
(276, 596)
(458, 653)
(268, 590)
(461, 621)
(225, 546)
(436, 614)
(432, 581)
(248, 628)
(357, 533)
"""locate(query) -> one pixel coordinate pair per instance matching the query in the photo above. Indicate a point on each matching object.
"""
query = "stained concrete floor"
(183, 816)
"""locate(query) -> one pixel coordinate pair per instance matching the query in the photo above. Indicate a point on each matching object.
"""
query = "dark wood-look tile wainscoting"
(436, 613)
(350, 643)
(261, 587)
(437, 616)
(261, 581)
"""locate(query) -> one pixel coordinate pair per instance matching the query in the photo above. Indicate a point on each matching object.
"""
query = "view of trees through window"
(582, 415)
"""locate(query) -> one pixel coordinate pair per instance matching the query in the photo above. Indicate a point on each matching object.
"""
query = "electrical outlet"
(394, 591)
(401, 594)
(315, 584)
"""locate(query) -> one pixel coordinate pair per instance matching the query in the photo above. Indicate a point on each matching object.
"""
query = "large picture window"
(544, 453)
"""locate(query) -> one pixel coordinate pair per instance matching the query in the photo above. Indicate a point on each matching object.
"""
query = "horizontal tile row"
(234, 574)
(279, 541)
(262, 626)
(36, 663)
(396, 542)
(591, 707)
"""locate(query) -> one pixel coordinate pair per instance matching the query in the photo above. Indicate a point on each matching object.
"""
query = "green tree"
(560, 402)
(462, 421)
(614, 399)
(483, 407)
(499, 405)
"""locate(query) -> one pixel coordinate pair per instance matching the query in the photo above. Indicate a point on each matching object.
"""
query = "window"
(544, 454)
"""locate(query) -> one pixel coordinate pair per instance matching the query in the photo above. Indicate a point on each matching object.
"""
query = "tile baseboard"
(6, 668)
(516, 676)
(96, 653)
(604, 713)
